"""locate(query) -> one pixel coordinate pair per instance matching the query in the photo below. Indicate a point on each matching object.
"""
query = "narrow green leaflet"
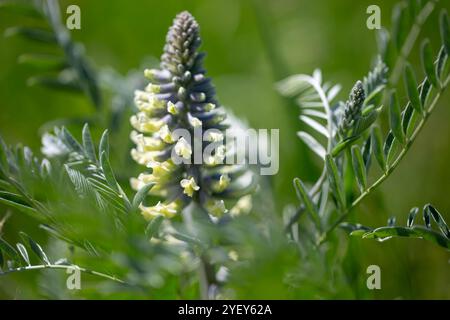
(153, 226)
(107, 170)
(303, 196)
(445, 31)
(140, 196)
(24, 253)
(377, 147)
(411, 231)
(344, 144)
(36, 248)
(9, 250)
(411, 89)
(104, 144)
(71, 141)
(20, 207)
(3, 157)
(439, 219)
(36, 34)
(386, 233)
(335, 181)
(88, 144)
(359, 168)
(412, 215)
(427, 63)
(395, 118)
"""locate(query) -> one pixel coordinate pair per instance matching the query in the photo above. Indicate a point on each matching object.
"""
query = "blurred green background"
(250, 45)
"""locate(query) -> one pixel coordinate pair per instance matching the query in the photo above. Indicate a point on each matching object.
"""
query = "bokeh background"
(250, 45)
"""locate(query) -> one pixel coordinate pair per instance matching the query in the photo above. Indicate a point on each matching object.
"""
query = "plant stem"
(394, 165)
(62, 266)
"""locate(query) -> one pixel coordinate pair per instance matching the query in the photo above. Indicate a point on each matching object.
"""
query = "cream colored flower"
(189, 186)
(165, 134)
(171, 108)
(222, 184)
(195, 122)
(242, 206)
(216, 207)
(153, 88)
(160, 209)
(143, 157)
(213, 136)
(144, 143)
(147, 101)
(210, 106)
(143, 123)
(161, 169)
(183, 148)
(217, 158)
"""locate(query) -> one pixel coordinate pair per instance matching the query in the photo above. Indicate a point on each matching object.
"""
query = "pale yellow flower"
(171, 108)
(165, 134)
(216, 207)
(222, 184)
(189, 186)
(144, 143)
(143, 123)
(217, 158)
(210, 106)
(153, 88)
(183, 148)
(195, 122)
(143, 157)
(160, 209)
(242, 206)
(213, 136)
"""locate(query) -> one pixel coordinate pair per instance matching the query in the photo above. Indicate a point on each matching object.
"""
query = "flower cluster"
(353, 109)
(180, 96)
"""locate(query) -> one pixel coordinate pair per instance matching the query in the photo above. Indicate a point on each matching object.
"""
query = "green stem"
(65, 267)
(394, 165)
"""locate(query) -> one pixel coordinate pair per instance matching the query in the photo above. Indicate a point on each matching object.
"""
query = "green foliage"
(68, 70)
(346, 124)
(410, 231)
(79, 195)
